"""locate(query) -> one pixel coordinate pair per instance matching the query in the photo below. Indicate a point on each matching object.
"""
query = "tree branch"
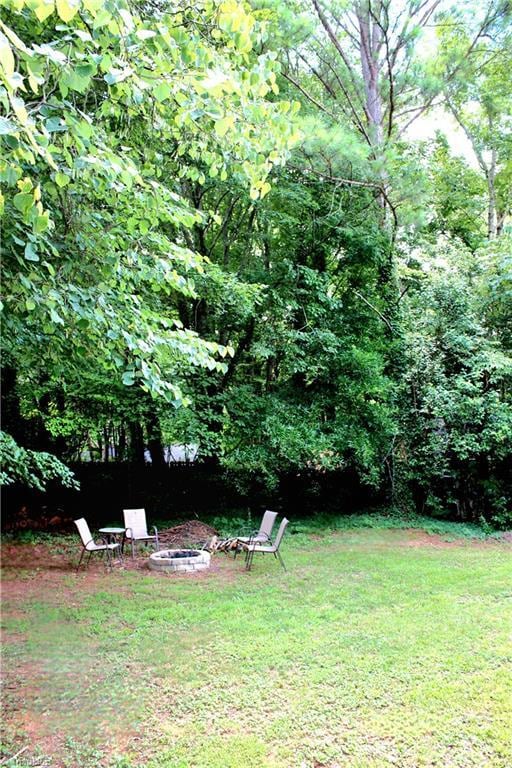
(337, 179)
(450, 75)
(372, 306)
(337, 45)
(309, 96)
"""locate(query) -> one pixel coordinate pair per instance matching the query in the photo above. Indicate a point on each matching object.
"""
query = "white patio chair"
(264, 532)
(267, 549)
(90, 546)
(137, 528)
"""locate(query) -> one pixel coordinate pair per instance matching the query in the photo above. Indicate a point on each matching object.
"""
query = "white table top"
(112, 530)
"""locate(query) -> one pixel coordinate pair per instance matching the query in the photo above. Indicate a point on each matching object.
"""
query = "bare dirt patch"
(414, 537)
(38, 571)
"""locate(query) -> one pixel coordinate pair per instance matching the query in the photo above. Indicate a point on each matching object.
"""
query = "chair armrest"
(250, 533)
(262, 537)
(155, 530)
(128, 533)
(255, 539)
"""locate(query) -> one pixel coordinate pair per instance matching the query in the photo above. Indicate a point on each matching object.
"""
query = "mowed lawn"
(377, 648)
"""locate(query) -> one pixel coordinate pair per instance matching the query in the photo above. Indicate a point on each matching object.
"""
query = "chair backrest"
(267, 523)
(280, 533)
(83, 530)
(135, 519)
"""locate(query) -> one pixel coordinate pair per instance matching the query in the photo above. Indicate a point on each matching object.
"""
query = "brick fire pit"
(179, 560)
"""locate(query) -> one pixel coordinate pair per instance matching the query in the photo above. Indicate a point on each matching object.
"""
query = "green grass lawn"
(377, 648)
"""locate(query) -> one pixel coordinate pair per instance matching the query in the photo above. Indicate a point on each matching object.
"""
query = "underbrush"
(384, 518)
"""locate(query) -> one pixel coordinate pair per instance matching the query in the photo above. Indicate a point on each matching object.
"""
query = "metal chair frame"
(129, 533)
(273, 549)
(263, 534)
(90, 546)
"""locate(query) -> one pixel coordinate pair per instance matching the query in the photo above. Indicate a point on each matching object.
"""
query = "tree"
(94, 95)
(456, 438)
(458, 197)
(480, 99)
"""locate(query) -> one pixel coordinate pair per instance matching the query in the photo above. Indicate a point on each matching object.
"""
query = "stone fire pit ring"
(179, 560)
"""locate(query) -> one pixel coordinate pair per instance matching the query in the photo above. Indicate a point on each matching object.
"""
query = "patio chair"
(267, 549)
(90, 546)
(137, 528)
(263, 534)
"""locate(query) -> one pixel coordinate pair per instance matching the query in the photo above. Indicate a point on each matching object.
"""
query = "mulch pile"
(186, 534)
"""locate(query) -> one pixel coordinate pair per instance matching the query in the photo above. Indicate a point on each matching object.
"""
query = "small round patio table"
(115, 535)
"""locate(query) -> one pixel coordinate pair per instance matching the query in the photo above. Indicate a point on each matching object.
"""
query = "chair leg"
(88, 559)
(133, 549)
(81, 558)
(281, 559)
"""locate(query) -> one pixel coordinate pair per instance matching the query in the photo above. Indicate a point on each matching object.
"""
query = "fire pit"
(170, 560)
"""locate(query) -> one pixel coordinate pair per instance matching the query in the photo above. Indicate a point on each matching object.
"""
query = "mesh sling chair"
(263, 534)
(90, 546)
(267, 549)
(137, 528)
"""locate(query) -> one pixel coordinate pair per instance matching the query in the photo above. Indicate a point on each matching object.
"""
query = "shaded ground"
(377, 648)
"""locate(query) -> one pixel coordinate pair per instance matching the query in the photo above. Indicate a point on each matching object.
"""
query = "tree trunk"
(492, 219)
(370, 37)
(136, 442)
(121, 443)
(12, 421)
(155, 443)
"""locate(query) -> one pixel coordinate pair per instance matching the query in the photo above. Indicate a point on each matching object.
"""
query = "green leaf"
(55, 317)
(117, 75)
(23, 201)
(30, 252)
(6, 56)
(128, 378)
(43, 9)
(74, 81)
(66, 10)
(55, 124)
(265, 188)
(162, 92)
(61, 179)
(41, 223)
(222, 126)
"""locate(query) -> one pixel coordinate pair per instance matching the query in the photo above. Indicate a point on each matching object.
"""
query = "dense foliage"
(191, 258)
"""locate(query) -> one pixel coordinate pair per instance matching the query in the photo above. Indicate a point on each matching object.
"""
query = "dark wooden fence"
(178, 492)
